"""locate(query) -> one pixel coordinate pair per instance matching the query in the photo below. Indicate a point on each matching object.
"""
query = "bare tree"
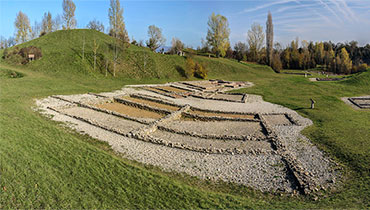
(117, 24)
(96, 25)
(156, 39)
(256, 37)
(95, 50)
(218, 34)
(69, 14)
(22, 25)
(177, 46)
(269, 39)
(57, 21)
(36, 30)
(47, 23)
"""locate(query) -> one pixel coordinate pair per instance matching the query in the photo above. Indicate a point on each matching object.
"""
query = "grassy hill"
(45, 165)
(72, 52)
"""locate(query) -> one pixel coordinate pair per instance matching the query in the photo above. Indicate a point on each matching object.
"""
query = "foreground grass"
(44, 165)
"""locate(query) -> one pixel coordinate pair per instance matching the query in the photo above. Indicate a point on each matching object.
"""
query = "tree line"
(259, 46)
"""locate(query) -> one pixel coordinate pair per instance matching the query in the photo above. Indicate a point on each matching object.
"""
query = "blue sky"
(317, 20)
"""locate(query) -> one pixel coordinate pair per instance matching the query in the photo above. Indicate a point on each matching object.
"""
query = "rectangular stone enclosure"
(363, 103)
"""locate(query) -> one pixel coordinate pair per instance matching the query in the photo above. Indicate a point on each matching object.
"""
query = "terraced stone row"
(306, 182)
(114, 113)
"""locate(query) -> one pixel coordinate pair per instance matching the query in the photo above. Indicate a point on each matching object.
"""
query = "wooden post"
(312, 103)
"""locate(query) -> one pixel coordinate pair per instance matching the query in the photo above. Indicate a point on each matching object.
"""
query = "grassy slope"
(45, 165)
(63, 51)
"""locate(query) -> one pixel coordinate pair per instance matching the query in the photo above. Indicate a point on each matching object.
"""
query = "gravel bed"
(280, 119)
(106, 120)
(320, 167)
(228, 97)
(217, 144)
(231, 128)
(130, 110)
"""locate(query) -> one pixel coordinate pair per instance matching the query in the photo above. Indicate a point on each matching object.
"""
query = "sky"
(316, 20)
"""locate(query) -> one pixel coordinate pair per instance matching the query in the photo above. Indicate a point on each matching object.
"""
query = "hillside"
(65, 52)
(46, 165)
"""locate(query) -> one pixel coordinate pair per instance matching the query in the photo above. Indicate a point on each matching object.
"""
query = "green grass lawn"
(45, 165)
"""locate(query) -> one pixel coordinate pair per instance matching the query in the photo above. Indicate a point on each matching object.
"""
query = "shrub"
(21, 56)
(200, 70)
(189, 68)
(276, 64)
(359, 68)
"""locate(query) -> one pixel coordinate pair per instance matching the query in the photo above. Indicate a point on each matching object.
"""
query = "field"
(45, 165)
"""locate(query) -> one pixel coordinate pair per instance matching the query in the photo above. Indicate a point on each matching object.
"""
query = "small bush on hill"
(200, 70)
(17, 56)
(189, 68)
(195, 69)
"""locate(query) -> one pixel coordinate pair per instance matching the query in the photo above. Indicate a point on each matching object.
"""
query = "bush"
(276, 64)
(200, 70)
(21, 56)
(24, 52)
(189, 68)
(360, 68)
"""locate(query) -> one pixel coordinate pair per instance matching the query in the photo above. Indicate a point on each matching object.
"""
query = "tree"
(255, 40)
(36, 30)
(57, 21)
(218, 34)
(116, 22)
(95, 50)
(96, 25)
(269, 39)
(69, 14)
(276, 64)
(346, 63)
(177, 46)
(47, 23)
(156, 38)
(240, 50)
(319, 53)
(22, 25)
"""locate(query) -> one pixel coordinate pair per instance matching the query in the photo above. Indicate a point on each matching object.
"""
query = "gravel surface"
(233, 128)
(103, 119)
(129, 110)
(248, 146)
(280, 119)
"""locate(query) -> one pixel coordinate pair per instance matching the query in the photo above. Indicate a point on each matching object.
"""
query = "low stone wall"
(205, 136)
(221, 112)
(306, 182)
(142, 106)
(220, 99)
(217, 118)
(157, 100)
(361, 106)
(103, 110)
(158, 92)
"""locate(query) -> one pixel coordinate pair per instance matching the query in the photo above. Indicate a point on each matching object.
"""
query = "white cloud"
(263, 6)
